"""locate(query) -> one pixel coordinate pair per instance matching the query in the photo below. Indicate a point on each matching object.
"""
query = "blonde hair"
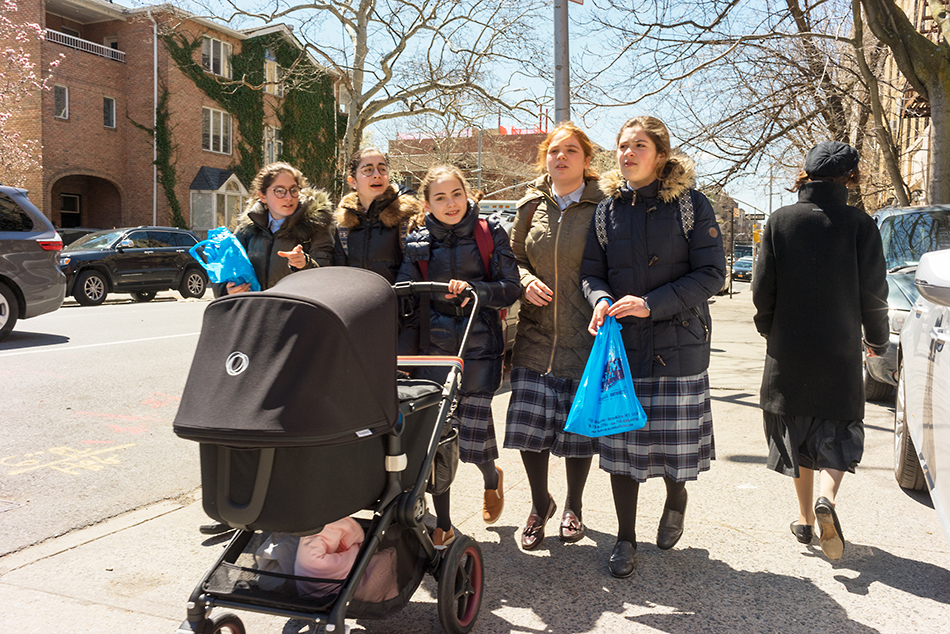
(658, 133)
(586, 144)
(269, 172)
(438, 172)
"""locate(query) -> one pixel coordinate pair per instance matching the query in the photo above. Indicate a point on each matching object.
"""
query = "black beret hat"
(830, 159)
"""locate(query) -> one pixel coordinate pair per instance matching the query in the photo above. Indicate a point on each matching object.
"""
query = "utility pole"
(562, 65)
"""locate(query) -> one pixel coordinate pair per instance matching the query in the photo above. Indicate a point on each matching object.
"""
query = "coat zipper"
(557, 239)
(701, 321)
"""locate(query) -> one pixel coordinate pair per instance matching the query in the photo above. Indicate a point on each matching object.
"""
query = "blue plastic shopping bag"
(605, 402)
(225, 259)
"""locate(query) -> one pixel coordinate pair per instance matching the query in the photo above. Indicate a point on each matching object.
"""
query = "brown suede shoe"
(441, 538)
(494, 501)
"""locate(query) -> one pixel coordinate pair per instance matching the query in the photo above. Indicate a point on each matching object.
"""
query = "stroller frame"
(458, 568)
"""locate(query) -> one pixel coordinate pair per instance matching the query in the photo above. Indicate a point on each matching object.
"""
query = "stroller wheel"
(461, 581)
(226, 623)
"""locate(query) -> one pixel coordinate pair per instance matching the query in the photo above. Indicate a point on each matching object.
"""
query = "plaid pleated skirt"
(677, 441)
(537, 413)
(472, 417)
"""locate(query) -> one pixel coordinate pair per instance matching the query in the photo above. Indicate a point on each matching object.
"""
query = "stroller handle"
(403, 289)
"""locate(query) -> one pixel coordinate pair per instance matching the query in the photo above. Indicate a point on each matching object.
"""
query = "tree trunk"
(939, 186)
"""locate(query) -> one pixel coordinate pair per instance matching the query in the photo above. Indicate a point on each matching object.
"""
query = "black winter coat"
(311, 226)
(649, 256)
(453, 255)
(373, 239)
(820, 276)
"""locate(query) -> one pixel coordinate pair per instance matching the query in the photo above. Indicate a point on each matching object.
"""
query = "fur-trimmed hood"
(392, 208)
(681, 176)
(314, 212)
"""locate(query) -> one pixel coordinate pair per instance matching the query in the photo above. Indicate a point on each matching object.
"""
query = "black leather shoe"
(830, 535)
(623, 561)
(670, 530)
(214, 529)
(802, 532)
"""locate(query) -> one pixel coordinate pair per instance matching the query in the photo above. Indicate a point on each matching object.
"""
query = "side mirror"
(933, 277)
(125, 244)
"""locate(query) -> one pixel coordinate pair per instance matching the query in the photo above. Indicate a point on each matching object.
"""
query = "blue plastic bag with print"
(605, 402)
(225, 259)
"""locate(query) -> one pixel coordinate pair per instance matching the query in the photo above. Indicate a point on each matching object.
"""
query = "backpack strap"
(687, 215)
(485, 243)
(530, 208)
(343, 233)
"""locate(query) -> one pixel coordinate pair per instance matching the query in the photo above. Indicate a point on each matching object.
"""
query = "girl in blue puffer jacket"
(447, 249)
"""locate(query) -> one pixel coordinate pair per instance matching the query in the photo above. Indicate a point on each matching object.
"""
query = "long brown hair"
(354, 163)
(658, 133)
(567, 126)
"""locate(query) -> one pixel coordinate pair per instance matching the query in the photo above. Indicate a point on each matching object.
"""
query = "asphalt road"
(88, 399)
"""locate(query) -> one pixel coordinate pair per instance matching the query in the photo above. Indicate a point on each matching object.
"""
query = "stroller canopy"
(311, 361)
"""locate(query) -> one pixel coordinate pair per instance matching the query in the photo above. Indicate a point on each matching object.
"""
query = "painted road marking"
(73, 462)
(95, 345)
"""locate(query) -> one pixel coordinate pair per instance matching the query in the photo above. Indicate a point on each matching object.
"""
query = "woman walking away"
(812, 387)
(654, 257)
(552, 343)
(287, 227)
(453, 247)
(374, 219)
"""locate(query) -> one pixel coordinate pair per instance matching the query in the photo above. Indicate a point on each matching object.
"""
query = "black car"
(30, 283)
(137, 260)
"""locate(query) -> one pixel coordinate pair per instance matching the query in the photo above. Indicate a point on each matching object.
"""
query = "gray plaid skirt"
(537, 413)
(677, 441)
(472, 417)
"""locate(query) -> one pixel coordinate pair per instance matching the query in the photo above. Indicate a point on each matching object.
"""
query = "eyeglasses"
(367, 170)
(280, 192)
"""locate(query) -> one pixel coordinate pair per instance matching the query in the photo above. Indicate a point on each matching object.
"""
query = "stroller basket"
(398, 569)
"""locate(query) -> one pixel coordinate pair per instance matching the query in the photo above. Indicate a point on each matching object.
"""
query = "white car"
(922, 414)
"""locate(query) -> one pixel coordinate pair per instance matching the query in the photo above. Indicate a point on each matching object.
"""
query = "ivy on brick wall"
(164, 156)
(310, 129)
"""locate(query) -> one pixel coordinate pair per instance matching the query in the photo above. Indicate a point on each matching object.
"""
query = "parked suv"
(137, 260)
(30, 282)
(907, 234)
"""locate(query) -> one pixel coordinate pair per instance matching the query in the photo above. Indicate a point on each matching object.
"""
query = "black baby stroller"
(294, 398)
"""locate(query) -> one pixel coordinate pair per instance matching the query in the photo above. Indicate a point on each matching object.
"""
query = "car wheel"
(90, 288)
(9, 310)
(193, 284)
(144, 296)
(875, 390)
(907, 469)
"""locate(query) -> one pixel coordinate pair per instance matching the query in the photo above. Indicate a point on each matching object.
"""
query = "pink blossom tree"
(19, 81)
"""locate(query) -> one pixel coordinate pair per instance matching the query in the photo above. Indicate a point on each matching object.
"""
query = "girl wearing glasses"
(374, 219)
(287, 226)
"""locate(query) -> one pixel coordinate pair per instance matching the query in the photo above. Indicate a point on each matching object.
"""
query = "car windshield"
(744, 262)
(908, 236)
(98, 240)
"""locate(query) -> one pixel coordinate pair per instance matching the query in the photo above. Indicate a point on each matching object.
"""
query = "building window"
(108, 112)
(215, 209)
(69, 211)
(272, 75)
(273, 144)
(112, 41)
(61, 102)
(216, 56)
(69, 31)
(216, 130)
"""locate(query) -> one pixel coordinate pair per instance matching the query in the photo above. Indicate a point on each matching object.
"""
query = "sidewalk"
(737, 568)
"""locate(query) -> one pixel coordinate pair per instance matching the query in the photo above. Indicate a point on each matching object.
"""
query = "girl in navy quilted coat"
(447, 249)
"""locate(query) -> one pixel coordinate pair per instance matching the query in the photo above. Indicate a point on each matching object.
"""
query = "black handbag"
(446, 462)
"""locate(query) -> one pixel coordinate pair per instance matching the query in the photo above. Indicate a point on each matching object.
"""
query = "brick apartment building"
(119, 67)
(508, 157)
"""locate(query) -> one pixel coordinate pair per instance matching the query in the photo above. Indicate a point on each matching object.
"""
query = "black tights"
(536, 467)
(626, 491)
(442, 503)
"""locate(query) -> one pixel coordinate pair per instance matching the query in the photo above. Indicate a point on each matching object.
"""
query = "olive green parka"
(553, 338)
